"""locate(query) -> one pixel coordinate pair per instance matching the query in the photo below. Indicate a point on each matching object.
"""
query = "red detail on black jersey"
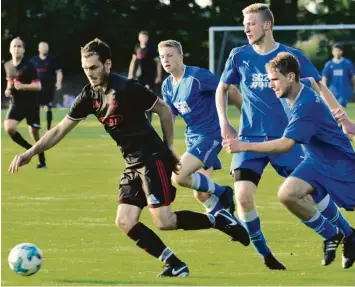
(42, 70)
(111, 120)
(96, 104)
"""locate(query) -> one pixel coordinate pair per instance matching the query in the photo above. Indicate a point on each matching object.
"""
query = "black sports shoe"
(175, 271)
(41, 165)
(272, 263)
(330, 247)
(230, 225)
(349, 251)
(227, 199)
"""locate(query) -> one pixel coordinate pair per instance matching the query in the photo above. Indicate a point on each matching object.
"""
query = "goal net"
(314, 40)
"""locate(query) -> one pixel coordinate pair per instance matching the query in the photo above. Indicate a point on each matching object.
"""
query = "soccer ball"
(25, 259)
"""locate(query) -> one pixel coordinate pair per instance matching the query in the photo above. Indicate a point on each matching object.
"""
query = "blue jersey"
(339, 79)
(193, 98)
(324, 143)
(262, 112)
(304, 81)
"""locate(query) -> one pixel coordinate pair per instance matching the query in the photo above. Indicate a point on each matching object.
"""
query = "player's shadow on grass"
(163, 282)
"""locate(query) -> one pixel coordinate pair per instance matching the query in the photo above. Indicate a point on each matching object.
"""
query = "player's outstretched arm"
(282, 145)
(326, 94)
(50, 139)
(222, 103)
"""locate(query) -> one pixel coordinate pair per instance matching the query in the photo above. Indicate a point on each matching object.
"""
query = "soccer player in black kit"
(22, 87)
(120, 105)
(50, 73)
(145, 64)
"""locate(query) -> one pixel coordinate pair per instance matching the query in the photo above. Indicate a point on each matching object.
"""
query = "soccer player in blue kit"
(263, 119)
(190, 93)
(329, 163)
(339, 75)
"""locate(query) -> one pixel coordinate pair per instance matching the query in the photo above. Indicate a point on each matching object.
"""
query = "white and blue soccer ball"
(25, 259)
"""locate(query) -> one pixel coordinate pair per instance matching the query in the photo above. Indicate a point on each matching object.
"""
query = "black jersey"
(46, 69)
(145, 66)
(121, 109)
(24, 73)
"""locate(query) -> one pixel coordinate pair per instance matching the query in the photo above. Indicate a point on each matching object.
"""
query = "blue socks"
(212, 204)
(321, 225)
(204, 184)
(331, 212)
(251, 222)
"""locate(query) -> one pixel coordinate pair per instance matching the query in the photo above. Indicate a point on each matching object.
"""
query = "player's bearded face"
(254, 28)
(96, 72)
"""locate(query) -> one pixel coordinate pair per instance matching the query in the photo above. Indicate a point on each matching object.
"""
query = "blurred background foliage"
(68, 24)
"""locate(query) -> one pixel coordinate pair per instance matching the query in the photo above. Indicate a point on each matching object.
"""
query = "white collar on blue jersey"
(298, 95)
(183, 74)
(338, 62)
(266, 53)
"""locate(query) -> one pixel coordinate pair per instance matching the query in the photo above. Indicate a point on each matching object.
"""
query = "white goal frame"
(213, 29)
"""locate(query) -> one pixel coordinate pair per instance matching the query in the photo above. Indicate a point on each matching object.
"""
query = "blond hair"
(285, 63)
(262, 9)
(171, 44)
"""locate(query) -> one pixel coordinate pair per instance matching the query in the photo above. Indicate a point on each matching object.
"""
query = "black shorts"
(46, 97)
(149, 185)
(28, 112)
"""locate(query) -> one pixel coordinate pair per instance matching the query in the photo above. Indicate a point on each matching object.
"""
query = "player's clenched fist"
(348, 125)
(232, 145)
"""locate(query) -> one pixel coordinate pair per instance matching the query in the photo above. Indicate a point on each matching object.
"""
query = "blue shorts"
(206, 150)
(340, 191)
(284, 163)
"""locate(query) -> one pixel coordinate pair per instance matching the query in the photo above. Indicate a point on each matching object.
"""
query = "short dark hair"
(97, 47)
(144, 32)
(339, 46)
(285, 63)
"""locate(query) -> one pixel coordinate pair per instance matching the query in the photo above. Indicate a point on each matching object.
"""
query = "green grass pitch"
(69, 210)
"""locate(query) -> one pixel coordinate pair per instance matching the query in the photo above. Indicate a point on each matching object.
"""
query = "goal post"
(216, 60)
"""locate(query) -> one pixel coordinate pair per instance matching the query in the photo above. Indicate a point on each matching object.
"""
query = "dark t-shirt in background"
(145, 62)
(24, 73)
(46, 69)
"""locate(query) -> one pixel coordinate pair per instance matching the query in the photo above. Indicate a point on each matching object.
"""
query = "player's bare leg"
(192, 175)
(10, 127)
(246, 208)
(127, 220)
(293, 194)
